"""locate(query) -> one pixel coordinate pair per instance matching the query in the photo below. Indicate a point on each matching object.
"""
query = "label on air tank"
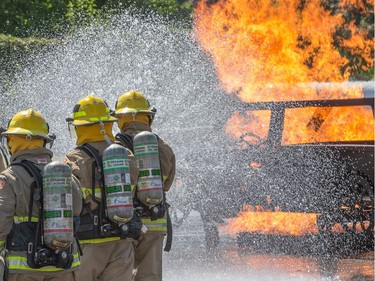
(146, 148)
(115, 163)
(58, 201)
(56, 220)
(117, 178)
(149, 184)
(149, 173)
(118, 188)
(55, 182)
(114, 202)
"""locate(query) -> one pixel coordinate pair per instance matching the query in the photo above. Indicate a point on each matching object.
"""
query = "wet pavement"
(188, 260)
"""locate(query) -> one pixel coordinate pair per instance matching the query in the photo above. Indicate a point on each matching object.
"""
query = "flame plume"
(256, 45)
(275, 50)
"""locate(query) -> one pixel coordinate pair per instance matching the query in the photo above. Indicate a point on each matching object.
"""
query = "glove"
(2, 268)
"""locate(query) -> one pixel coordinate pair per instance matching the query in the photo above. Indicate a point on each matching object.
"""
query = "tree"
(50, 18)
(27, 18)
(349, 38)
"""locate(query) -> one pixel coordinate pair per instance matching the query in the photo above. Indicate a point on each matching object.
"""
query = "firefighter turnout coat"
(149, 247)
(15, 188)
(104, 258)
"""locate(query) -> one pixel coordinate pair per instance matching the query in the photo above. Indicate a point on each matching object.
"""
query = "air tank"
(119, 195)
(150, 184)
(57, 205)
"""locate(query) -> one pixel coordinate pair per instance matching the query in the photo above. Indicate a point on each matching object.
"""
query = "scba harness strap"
(95, 224)
(126, 141)
(28, 236)
(159, 210)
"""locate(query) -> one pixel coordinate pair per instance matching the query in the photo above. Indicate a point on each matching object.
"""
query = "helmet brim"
(24, 132)
(127, 110)
(86, 122)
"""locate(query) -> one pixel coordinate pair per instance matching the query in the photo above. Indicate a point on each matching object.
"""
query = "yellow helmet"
(91, 110)
(133, 102)
(29, 123)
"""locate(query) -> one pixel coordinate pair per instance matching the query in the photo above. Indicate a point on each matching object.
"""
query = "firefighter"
(3, 155)
(134, 116)
(21, 217)
(107, 253)
(3, 164)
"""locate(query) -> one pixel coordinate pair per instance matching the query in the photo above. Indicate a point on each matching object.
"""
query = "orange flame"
(256, 45)
(328, 124)
(314, 125)
(272, 51)
(281, 223)
(253, 121)
(256, 220)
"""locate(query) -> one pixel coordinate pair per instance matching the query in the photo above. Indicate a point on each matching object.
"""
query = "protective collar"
(126, 119)
(17, 143)
(93, 133)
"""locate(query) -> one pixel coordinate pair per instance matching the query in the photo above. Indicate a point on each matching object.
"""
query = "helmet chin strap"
(102, 131)
(133, 117)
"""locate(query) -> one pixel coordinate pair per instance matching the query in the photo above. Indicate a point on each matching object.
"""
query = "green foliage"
(171, 9)
(80, 11)
(50, 18)
(361, 16)
(27, 18)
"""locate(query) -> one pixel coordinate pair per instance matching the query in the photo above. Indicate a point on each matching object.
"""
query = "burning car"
(285, 168)
(301, 153)
(308, 166)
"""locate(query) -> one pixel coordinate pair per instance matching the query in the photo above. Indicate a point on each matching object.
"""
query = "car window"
(328, 124)
(252, 126)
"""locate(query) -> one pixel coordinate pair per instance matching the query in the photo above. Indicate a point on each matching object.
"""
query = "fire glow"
(256, 220)
(275, 51)
(263, 50)
(273, 223)
(314, 125)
